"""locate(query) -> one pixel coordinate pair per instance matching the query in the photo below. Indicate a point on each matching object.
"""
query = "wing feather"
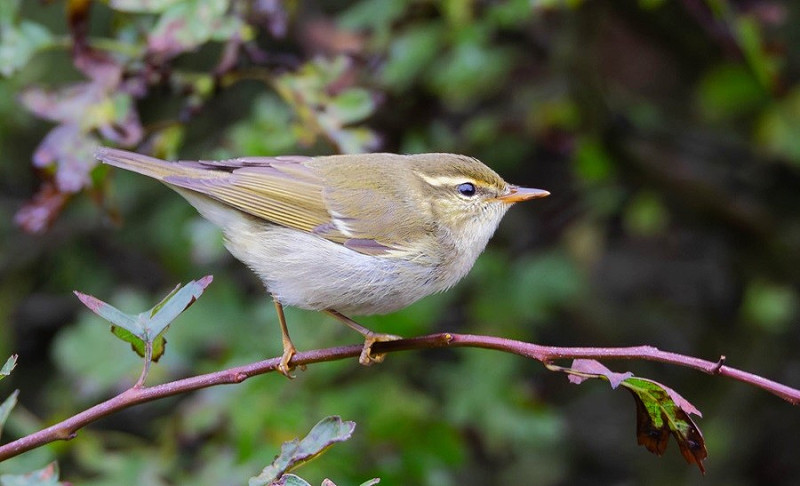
(291, 191)
(282, 190)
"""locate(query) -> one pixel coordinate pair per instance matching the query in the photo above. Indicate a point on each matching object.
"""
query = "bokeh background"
(667, 133)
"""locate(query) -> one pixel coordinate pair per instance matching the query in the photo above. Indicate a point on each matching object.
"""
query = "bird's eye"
(466, 189)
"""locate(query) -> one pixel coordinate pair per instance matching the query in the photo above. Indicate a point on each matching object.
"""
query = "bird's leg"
(288, 348)
(370, 338)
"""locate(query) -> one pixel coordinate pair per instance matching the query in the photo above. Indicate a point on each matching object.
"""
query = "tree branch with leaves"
(660, 411)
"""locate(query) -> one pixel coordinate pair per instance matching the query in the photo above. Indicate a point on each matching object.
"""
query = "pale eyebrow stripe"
(440, 181)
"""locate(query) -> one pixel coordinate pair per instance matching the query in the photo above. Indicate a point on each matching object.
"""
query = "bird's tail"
(145, 165)
(187, 179)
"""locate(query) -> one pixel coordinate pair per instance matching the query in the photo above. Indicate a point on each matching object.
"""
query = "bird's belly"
(306, 271)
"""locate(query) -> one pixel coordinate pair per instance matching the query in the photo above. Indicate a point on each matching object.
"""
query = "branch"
(68, 428)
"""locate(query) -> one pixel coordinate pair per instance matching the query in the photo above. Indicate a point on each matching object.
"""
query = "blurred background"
(667, 133)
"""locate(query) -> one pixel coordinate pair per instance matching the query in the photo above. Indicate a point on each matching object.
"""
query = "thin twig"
(68, 428)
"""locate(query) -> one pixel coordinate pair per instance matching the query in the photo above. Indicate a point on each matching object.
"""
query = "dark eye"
(467, 189)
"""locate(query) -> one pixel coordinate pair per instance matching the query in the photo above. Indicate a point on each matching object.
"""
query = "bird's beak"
(518, 194)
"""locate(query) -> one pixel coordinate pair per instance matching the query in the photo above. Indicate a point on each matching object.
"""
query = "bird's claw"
(283, 366)
(367, 358)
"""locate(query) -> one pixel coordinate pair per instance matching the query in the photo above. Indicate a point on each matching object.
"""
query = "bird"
(351, 234)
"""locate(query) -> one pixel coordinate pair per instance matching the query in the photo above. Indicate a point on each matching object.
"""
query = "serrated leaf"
(660, 410)
(9, 366)
(47, 476)
(295, 452)
(6, 407)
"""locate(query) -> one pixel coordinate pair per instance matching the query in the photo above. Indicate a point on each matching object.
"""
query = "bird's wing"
(282, 190)
(361, 209)
(278, 189)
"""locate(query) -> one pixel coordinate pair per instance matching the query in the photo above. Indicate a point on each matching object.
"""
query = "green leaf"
(750, 38)
(776, 130)
(293, 453)
(369, 14)
(471, 71)
(174, 304)
(139, 346)
(728, 91)
(770, 306)
(5, 408)
(352, 105)
(411, 53)
(646, 215)
(660, 410)
(371, 482)
(264, 131)
(19, 43)
(186, 25)
(352, 140)
(318, 113)
(591, 161)
(111, 314)
(510, 13)
(9, 366)
(8, 11)
(143, 6)
(149, 326)
(291, 480)
(47, 476)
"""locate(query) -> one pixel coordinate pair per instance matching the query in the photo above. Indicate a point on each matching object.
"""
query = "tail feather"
(221, 214)
(145, 165)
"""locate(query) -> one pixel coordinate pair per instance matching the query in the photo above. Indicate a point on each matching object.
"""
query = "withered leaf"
(37, 215)
(660, 410)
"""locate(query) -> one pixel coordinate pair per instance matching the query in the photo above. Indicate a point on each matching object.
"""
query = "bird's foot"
(368, 358)
(286, 357)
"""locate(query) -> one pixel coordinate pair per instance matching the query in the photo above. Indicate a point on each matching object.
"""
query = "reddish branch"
(68, 428)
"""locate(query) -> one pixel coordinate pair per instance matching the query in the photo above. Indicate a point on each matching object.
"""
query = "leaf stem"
(148, 358)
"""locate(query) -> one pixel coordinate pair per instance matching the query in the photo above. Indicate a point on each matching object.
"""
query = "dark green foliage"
(666, 132)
